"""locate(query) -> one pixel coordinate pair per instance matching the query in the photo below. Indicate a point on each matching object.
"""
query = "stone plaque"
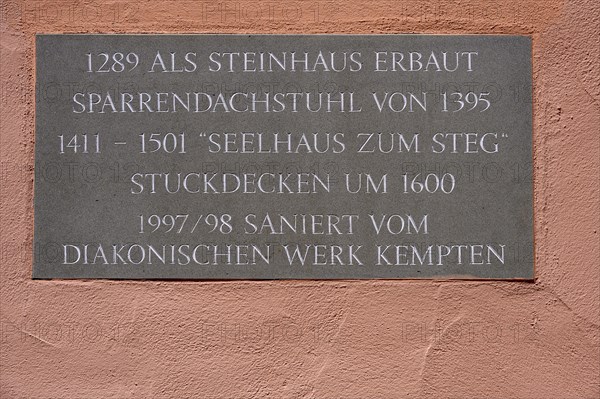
(283, 157)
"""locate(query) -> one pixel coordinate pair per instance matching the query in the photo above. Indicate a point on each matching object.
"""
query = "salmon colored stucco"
(303, 339)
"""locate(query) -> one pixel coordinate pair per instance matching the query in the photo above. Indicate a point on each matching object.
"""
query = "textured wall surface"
(344, 339)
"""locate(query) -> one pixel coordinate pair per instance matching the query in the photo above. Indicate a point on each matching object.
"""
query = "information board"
(283, 157)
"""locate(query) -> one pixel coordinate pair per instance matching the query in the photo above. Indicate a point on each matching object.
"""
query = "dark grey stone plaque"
(283, 157)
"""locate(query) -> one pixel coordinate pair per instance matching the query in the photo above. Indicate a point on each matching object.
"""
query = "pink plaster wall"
(343, 339)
